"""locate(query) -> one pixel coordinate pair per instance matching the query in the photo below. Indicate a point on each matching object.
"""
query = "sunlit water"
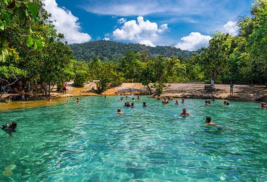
(89, 141)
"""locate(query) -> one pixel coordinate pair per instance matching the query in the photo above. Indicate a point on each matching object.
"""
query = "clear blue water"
(89, 141)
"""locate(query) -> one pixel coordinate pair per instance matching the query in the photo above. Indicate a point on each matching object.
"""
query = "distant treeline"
(112, 51)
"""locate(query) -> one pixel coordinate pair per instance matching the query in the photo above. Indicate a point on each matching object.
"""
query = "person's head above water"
(13, 125)
(119, 111)
(208, 119)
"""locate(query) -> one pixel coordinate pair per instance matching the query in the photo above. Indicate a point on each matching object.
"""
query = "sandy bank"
(176, 90)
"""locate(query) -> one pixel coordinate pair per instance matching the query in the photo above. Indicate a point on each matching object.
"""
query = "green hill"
(109, 50)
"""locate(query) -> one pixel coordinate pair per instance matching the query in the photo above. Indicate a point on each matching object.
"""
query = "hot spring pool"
(89, 141)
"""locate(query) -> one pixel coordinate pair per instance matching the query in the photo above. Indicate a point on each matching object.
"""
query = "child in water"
(78, 100)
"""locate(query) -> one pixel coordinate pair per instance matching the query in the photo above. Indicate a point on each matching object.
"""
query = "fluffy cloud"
(147, 43)
(140, 31)
(231, 28)
(194, 41)
(65, 23)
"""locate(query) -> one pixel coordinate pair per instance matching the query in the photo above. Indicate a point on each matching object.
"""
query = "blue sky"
(186, 24)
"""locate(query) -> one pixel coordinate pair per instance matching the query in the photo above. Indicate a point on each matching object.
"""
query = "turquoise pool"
(90, 142)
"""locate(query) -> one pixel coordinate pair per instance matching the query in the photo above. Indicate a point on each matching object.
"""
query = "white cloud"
(162, 28)
(120, 8)
(194, 41)
(106, 38)
(121, 20)
(231, 28)
(140, 31)
(66, 23)
(166, 7)
(147, 43)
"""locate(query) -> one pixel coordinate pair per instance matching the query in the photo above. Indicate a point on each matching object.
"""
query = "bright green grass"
(89, 141)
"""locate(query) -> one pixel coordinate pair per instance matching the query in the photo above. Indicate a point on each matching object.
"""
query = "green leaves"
(5, 21)
(29, 41)
(35, 41)
(3, 54)
(2, 26)
(33, 9)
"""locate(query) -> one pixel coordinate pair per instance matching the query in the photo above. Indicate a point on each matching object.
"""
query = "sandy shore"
(176, 90)
(196, 90)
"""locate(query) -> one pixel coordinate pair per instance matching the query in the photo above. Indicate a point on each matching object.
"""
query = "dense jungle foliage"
(32, 50)
(112, 51)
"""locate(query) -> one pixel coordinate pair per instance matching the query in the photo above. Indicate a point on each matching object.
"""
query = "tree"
(257, 41)
(215, 57)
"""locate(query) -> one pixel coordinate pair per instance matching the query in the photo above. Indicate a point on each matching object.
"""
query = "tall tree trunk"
(149, 89)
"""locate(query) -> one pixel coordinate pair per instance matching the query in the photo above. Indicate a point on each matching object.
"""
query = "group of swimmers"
(127, 104)
(166, 101)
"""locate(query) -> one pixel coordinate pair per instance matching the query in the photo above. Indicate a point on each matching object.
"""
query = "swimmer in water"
(209, 122)
(9, 127)
(127, 104)
(207, 103)
(263, 104)
(184, 113)
(132, 105)
(139, 98)
(78, 100)
(165, 101)
(144, 104)
(119, 111)
(177, 102)
(183, 101)
(133, 99)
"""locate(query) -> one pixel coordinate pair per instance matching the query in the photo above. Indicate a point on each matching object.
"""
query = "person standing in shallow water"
(184, 113)
(231, 88)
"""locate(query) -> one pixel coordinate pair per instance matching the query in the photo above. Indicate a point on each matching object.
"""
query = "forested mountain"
(109, 50)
